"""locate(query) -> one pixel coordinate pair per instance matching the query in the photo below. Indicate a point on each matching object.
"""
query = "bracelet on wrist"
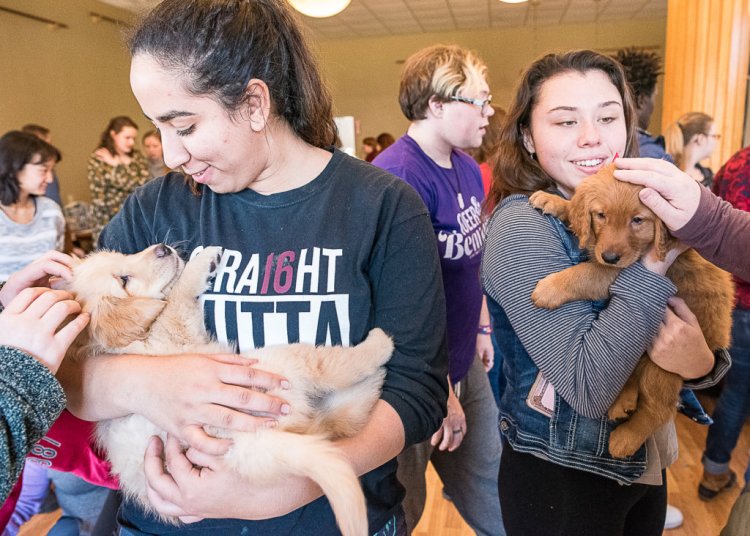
(485, 329)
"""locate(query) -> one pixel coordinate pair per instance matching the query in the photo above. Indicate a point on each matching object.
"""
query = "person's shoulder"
(514, 214)
(371, 177)
(375, 186)
(466, 159)
(738, 163)
(45, 203)
(403, 154)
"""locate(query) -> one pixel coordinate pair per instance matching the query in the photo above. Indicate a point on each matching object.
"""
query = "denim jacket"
(566, 437)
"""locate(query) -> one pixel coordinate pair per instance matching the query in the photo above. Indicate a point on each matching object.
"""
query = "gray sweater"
(31, 399)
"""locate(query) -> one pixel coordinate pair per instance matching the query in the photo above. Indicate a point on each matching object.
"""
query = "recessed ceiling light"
(320, 8)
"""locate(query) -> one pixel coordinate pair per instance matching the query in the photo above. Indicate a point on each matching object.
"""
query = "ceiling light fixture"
(320, 8)
(513, 1)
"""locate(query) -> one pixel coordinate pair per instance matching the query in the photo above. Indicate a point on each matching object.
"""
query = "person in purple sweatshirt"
(444, 93)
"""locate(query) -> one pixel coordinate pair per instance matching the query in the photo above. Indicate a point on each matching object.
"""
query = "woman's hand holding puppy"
(181, 394)
(188, 392)
(680, 346)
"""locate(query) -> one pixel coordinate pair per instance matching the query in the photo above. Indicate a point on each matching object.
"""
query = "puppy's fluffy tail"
(265, 456)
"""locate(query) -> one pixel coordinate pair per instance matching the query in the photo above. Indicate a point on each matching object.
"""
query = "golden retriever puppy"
(610, 221)
(147, 304)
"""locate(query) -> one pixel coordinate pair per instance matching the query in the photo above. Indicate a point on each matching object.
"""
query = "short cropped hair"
(642, 68)
(439, 71)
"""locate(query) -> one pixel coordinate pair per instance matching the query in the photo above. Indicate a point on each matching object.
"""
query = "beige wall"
(69, 80)
(364, 73)
(73, 81)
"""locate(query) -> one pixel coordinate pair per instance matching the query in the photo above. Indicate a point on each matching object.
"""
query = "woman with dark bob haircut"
(30, 224)
(572, 115)
(319, 248)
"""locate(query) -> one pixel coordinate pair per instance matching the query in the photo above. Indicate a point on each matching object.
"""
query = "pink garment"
(68, 446)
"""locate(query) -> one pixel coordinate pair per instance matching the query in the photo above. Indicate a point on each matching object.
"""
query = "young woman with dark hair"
(30, 224)
(318, 248)
(573, 114)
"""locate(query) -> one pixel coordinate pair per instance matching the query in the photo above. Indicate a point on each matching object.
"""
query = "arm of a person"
(720, 233)
(703, 221)
(485, 350)
(30, 401)
(201, 483)
(179, 393)
(587, 356)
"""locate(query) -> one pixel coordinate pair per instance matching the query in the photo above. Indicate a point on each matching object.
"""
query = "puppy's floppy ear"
(663, 240)
(117, 322)
(579, 215)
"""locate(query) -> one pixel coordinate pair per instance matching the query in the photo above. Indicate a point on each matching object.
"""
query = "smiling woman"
(317, 248)
(30, 224)
(571, 115)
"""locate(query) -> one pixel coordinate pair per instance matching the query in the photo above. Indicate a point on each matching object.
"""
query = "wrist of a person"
(484, 329)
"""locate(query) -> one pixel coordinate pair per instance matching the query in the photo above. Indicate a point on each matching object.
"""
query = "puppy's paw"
(200, 271)
(623, 443)
(549, 203)
(621, 409)
(547, 293)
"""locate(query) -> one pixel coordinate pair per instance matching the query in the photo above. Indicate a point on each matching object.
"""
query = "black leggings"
(540, 497)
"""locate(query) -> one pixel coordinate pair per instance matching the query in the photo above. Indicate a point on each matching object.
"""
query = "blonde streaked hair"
(440, 71)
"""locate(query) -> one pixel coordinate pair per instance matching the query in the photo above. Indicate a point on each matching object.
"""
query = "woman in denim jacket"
(573, 114)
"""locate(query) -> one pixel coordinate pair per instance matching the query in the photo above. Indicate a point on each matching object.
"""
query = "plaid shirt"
(732, 183)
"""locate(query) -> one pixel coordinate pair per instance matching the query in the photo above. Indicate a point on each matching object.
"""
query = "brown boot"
(713, 484)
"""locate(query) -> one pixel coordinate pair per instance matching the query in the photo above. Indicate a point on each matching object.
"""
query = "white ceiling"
(374, 18)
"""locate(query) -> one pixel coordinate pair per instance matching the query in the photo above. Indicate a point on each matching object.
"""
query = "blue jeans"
(733, 406)
(495, 374)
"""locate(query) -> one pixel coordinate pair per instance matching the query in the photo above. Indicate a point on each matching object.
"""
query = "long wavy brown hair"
(515, 170)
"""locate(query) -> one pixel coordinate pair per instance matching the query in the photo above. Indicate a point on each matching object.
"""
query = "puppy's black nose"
(162, 251)
(610, 258)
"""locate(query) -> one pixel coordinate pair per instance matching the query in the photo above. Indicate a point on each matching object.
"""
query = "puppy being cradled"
(148, 304)
(610, 221)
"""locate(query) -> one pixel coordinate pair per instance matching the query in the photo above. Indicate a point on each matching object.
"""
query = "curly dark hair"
(642, 68)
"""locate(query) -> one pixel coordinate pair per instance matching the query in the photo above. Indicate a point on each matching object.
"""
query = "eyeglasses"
(714, 136)
(484, 104)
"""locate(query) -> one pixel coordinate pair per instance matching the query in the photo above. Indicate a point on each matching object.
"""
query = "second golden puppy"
(147, 304)
(610, 221)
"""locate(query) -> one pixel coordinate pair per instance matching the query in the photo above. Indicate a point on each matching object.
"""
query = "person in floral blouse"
(115, 170)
